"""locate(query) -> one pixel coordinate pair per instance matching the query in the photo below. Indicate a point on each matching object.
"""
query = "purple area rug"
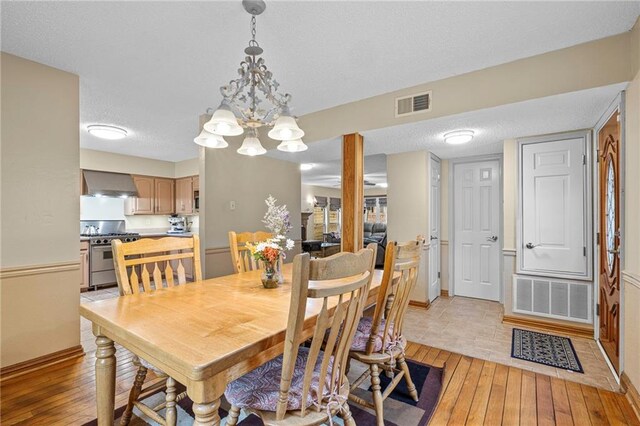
(400, 409)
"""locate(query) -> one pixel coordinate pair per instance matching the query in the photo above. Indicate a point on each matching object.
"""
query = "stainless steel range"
(100, 234)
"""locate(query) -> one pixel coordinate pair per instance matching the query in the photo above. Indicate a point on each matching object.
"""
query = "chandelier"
(253, 101)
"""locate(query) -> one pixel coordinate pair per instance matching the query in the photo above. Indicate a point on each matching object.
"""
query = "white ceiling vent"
(413, 104)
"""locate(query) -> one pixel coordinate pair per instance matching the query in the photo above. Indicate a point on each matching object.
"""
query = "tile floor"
(457, 324)
(474, 327)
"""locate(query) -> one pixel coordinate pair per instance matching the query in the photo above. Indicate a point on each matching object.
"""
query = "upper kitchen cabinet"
(143, 203)
(155, 196)
(164, 196)
(184, 195)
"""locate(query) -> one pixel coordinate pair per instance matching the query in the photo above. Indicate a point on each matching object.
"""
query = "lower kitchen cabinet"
(84, 265)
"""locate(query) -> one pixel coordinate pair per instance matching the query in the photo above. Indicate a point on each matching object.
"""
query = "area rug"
(545, 349)
(399, 408)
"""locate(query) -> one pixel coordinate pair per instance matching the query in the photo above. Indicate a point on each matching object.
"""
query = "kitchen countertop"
(149, 233)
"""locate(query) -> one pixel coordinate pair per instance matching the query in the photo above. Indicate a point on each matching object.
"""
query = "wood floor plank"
(452, 391)
(611, 408)
(463, 404)
(474, 392)
(544, 400)
(528, 403)
(495, 407)
(627, 410)
(594, 405)
(579, 412)
(561, 406)
(481, 397)
(511, 414)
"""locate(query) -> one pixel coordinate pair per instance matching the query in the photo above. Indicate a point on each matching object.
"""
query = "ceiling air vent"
(413, 104)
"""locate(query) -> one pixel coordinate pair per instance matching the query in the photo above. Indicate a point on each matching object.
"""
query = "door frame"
(618, 103)
(433, 157)
(451, 218)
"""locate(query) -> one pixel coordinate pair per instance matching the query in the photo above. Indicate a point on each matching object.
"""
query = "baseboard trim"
(572, 330)
(444, 293)
(15, 370)
(631, 393)
(21, 271)
(419, 304)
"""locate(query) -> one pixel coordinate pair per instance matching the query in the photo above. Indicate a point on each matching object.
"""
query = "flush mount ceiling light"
(458, 137)
(253, 101)
(104, 131)
(209, 140)
(306, 166)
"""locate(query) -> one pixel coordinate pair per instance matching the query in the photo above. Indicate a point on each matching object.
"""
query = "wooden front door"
(609, 237)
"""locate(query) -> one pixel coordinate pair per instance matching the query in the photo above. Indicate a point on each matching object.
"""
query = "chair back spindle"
(405, 259)
(148, 264)
(340, 283)
(241, 257)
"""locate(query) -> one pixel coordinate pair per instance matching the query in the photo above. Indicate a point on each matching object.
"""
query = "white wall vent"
(413, 104)
(553, 298)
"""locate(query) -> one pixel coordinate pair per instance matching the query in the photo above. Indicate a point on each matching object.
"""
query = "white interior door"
(476, 226)
(553, 206)
(434, 231)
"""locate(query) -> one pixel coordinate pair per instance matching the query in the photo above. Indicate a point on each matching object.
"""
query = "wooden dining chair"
(241, 257)
(144, 266)
(308, 386)
(378, 341)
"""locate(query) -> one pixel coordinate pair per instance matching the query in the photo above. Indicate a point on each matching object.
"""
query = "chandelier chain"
(253, 30)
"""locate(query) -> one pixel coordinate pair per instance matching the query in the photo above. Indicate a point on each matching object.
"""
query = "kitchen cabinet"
(184, 195)
(84, 265)
(164, 196)
(155, 196)
(144, 202)
(196, 183)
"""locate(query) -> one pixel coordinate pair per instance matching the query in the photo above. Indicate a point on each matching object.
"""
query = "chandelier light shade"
(210, 140)
(252, 101)
(285, 128)
(295, 145)
(458, 137)
(251, 146)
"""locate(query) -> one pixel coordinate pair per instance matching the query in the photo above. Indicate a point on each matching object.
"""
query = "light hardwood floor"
(474, 392)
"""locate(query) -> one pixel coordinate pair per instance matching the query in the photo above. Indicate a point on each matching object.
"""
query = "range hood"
(107, 184)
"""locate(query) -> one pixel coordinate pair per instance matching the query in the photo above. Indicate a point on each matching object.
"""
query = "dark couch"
(376, 233)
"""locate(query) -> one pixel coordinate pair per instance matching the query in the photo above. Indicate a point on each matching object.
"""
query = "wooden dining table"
(203, 334)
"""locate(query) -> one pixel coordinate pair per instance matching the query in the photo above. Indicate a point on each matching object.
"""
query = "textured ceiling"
(154, 67)
(559, 113)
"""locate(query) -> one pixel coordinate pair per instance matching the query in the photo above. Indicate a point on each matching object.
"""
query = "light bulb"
(251, 151)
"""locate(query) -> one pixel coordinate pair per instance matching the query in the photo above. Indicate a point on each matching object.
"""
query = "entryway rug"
(545, 349)
(399, 408)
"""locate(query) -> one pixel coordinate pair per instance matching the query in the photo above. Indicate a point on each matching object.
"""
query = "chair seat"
(259, 389)
(364, 330)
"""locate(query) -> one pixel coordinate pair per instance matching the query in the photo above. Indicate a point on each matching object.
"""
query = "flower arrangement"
(276, 219)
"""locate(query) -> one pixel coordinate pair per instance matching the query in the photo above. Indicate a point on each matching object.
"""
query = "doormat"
(546, 349)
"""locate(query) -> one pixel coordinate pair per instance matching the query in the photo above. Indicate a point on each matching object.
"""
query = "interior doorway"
(434, 229)
(476, 226)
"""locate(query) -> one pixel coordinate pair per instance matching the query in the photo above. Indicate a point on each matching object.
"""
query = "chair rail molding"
(48, 268)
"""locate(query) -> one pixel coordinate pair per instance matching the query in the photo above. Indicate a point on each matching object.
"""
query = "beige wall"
(509, 193)
(408, 206)
(561, 71)
(107, 161)
(40, 210)
(631, 273)
(248, 181)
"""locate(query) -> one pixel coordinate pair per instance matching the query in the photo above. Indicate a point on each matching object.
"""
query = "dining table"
(203, 334)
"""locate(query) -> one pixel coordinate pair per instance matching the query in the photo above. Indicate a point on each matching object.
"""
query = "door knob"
(616, 251)
(531, 245)
(493, 238)
(433, 238)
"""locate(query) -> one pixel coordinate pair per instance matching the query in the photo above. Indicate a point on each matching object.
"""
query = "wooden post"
(352, 191)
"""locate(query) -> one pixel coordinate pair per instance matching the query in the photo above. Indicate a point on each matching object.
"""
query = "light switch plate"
(232, 205)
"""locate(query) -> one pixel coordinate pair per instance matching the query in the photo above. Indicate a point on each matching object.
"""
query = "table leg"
(206, 413)
(105, 380)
